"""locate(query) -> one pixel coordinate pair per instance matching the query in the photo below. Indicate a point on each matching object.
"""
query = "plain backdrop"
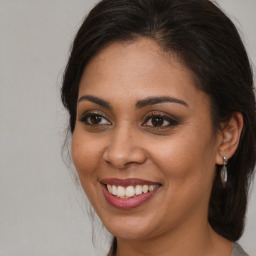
(42, 213)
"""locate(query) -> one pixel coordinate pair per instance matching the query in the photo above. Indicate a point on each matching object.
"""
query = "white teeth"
(138, 190)
(113, 191)
(120, 191)
(145, 188)
(109, 188)
(130, 191)
(151, 187)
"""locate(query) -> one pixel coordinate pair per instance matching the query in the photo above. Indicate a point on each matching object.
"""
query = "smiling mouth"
(130, 191)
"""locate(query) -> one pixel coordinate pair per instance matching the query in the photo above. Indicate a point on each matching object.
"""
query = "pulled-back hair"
(208, 43)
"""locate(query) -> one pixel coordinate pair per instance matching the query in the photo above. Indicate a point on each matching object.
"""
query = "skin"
(181, 154)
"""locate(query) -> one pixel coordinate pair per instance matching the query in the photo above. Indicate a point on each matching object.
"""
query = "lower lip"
(127, 203)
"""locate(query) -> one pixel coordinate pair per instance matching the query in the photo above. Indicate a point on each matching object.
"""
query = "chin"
(129, 232)
(130, 227)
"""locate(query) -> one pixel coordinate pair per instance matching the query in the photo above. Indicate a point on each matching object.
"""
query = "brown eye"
(94, 119)
(157, 121)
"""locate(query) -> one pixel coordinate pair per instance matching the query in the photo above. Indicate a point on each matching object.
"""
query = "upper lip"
(127, 182)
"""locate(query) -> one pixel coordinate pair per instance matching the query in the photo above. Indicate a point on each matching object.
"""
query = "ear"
(229, 137)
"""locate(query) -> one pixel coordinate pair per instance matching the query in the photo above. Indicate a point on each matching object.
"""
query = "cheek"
(188, 170)
(85, 154)
(186, 158)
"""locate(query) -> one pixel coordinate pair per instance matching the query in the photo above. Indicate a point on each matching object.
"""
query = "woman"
(162, 116)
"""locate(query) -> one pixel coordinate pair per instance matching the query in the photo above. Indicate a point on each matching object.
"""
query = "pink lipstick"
(128, 193)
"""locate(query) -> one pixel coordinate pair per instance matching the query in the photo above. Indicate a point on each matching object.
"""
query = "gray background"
(42, 213)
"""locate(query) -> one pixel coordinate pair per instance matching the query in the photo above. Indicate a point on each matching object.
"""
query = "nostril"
(121, 154)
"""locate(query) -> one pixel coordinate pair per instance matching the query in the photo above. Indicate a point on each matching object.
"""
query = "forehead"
(137, 69)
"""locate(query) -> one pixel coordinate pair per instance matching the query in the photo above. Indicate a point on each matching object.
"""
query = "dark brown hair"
(207, 42)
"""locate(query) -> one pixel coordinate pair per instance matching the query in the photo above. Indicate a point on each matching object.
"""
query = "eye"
(159, 120)
(94, 119)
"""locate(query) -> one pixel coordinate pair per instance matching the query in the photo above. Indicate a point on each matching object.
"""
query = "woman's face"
(143, 145)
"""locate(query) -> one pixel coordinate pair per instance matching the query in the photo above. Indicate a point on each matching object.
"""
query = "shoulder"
(238, 251)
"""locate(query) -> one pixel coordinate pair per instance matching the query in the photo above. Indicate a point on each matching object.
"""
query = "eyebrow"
(156, 100)
(140, 104)
(95, 100)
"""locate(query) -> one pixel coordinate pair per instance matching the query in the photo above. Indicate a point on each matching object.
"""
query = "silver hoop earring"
(224, 171)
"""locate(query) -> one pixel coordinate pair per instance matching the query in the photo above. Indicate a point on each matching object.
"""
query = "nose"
(124, 149)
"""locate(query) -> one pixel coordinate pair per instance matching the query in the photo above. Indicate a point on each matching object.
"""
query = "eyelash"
(84, 118)
(165, 118)
(171, 121)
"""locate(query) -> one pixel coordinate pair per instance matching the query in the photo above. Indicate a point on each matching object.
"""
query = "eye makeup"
(160, 120)
(155, 121)
(94, 118)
